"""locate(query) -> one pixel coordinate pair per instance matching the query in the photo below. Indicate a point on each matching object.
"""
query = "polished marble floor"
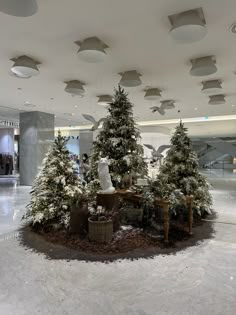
(199, 280)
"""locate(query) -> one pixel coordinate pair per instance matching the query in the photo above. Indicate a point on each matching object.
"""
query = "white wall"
(7, 140)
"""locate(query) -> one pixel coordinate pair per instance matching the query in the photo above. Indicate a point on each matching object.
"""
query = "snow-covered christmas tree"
(55, 189)
(118, 140)
(180, 171)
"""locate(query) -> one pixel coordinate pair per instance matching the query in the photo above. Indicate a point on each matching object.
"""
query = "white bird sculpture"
(157, 153)
(158, 109)
(95, 123)
(165, 105)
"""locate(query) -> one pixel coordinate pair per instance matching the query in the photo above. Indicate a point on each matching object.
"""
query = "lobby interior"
(51, 79)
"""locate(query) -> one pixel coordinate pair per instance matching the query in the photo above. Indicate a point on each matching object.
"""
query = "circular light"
(92, 50)
(68, 114)
(216, 99)
(188, 26)
(130, 79)
(104, 100)
(203, 66)
(28, 104)
(20, 8)
(74, 87)
(152, 94)
(211, 87)
(24, 67)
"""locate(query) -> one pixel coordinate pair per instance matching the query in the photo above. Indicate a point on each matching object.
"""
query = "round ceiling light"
(130, 78)
(92, 50)
(188, 26)
(20, 8)
(24, 67)
(104, 100)
(168, 104)
(152, 94)
(28, 104)
(216, 99)
(203, 66)
(74, 87)
(211, 87)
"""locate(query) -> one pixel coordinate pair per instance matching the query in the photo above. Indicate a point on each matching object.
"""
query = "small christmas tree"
(55, 188)
(118, 140)
(180, 171)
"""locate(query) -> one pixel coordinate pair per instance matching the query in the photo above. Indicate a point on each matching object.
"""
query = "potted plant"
(100, 225)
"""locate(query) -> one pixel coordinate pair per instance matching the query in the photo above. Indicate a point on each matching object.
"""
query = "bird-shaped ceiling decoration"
(165, 105)
(158, 109)
(156, 154)
(95, 123)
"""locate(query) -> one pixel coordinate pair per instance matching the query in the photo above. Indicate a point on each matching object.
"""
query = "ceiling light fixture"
(130, 78)
(152, 94)
(104, 100)
(188, 26)
(168, 104)
(24, 67)
(203, 66)
(216, 99)
(28, 104)
(20, 8)
(211, 87)
(92, 49)
(75, 87)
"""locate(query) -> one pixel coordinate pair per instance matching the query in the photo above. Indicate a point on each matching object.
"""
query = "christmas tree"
(180, 171)
(55, 189)
(118, 140)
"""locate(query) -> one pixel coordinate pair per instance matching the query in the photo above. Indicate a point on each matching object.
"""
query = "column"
(85, 142)
(36, 136)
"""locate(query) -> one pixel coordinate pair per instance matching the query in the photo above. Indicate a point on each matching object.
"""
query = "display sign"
(9, 123)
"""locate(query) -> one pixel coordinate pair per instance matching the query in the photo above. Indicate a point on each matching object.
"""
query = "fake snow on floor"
(199, 280)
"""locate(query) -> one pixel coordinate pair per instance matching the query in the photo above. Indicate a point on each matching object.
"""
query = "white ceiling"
(137, 33)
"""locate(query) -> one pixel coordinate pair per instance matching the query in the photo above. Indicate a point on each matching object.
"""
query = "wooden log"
(107, 200)
(189, 205)
(165, 205)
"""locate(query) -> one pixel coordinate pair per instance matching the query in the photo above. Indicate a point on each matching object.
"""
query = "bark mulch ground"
(126, 244)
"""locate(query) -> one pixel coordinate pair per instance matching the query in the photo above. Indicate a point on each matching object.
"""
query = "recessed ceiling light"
(216, 99)
(104, 100)
(92, 49)
(195, 108)
(28, 104)
(188, 26)
(76, 106)
(24, 67)
(130, 78)
(22, 8)
(152, 94)
(74, 87)
(211, 87)
(203, 66)
(67, 114)
(233, 105)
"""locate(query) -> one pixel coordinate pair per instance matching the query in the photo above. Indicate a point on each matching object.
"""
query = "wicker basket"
(100, 231)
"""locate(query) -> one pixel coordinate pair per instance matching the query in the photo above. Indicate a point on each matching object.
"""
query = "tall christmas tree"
(180, 171)
(55, 188)
(118, 140)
